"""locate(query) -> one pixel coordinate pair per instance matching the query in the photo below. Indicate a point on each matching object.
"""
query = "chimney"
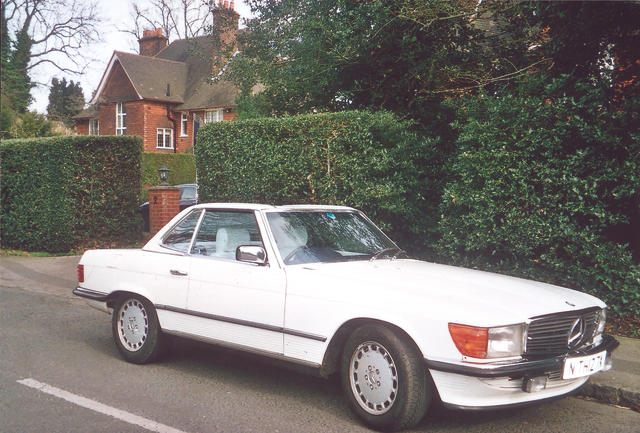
(152, 42)
(225, 25)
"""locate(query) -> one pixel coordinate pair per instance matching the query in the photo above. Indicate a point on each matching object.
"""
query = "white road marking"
(99, 407)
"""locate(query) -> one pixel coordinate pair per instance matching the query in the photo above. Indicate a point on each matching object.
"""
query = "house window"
(213, 116)
(94, 127)
(121, 114)
(183, 125)
(164, 138)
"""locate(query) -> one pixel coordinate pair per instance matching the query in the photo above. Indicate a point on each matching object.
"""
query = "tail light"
(81, 273)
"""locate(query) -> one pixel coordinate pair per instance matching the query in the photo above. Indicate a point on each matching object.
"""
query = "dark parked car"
(188, 197)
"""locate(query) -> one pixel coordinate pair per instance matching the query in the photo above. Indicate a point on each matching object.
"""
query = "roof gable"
(180, 74)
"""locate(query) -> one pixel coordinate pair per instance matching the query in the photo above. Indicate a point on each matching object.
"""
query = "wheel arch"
(113, 297)
(331, 359)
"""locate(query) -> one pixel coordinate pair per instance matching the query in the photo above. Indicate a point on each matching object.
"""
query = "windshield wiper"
(384, 251)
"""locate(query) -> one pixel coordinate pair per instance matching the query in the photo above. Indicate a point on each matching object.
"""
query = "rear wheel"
(384, 378)
(135, 329)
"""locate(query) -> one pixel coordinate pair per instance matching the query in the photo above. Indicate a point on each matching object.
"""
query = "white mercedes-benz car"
(324, 287)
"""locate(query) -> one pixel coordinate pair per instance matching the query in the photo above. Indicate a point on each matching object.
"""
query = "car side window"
(179, 238)
(222, 232)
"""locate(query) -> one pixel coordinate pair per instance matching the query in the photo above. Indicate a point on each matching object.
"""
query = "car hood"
(403, 283)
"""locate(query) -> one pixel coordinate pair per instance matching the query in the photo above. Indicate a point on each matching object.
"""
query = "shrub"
(60, 192)
(372, 161)
(181, 165)
(538, 184)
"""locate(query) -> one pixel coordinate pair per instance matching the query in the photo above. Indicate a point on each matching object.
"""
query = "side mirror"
(251, 254)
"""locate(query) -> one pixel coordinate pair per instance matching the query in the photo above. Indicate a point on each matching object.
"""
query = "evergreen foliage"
(545, 185)
(331, 55)
(372, 161)
(181, 167)
(65, 101)
(58, 193)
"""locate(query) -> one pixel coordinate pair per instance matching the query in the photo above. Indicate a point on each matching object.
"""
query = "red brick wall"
(229, 116)
(155, 116)
(118, 87)
(164, 204)
(107, 119)
(183, 142)
(82, 126)
(152, 42)
(143, 118)
(135, 118)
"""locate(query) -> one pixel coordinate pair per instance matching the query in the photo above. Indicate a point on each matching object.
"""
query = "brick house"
(165, 93)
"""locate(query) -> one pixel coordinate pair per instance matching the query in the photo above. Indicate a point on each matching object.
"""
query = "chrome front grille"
(557, 334)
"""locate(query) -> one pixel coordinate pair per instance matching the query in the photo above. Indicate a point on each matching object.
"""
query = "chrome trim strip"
(242, 322)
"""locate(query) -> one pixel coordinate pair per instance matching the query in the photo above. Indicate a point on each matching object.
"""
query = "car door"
(231, 301)
(165, 272)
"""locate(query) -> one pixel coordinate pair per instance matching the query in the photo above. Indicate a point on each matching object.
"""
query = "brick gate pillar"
(164, 204)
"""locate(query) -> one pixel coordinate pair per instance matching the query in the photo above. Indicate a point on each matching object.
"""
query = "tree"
(54, 32)
(65, 101)
(182, 18)
(16, 84)
(402, 55)
(7, 113)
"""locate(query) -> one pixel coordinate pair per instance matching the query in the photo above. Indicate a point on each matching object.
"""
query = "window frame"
(164, 136)
(218, 118)
(169, 232)
(121, 118)
(95, 129)
(184, 123)
(249, 212)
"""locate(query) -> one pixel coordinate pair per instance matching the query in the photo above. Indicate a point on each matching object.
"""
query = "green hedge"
(372, 161)
(181, 165)
(541, 184)
(58, 193)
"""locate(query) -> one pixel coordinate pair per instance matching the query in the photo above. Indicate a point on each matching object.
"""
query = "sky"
(117, 15)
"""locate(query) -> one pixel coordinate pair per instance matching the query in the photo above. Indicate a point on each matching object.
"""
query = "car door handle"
(178, 273)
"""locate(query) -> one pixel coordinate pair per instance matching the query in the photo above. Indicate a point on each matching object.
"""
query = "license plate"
(581, 366)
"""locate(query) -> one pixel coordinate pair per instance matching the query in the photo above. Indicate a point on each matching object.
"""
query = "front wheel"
(384, 378)
(135, 329)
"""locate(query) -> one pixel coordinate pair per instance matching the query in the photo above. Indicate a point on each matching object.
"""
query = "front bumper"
(520, 368)
(499, 385)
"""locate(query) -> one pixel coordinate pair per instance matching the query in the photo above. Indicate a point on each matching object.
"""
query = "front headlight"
(496, 342)
(602, 320)
(506, 341)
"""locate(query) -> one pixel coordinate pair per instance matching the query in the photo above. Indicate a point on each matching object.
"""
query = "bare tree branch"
(59, 30)
(180, 18)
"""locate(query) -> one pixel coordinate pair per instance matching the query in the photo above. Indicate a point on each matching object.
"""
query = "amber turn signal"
(469, 340)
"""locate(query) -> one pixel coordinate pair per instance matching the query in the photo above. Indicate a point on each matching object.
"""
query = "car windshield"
(327, 236)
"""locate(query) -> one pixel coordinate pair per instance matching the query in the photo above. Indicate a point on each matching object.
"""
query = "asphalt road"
(61, 372)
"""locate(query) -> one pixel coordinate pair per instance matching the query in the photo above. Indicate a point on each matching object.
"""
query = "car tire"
(136, 331)
(384, 378)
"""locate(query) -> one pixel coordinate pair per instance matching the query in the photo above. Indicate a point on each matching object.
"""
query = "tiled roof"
(200, 92)
(155, 78)
(180, 73)
(88, 113)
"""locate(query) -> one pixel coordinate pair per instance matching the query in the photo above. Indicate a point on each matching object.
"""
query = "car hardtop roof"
(270, 208)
